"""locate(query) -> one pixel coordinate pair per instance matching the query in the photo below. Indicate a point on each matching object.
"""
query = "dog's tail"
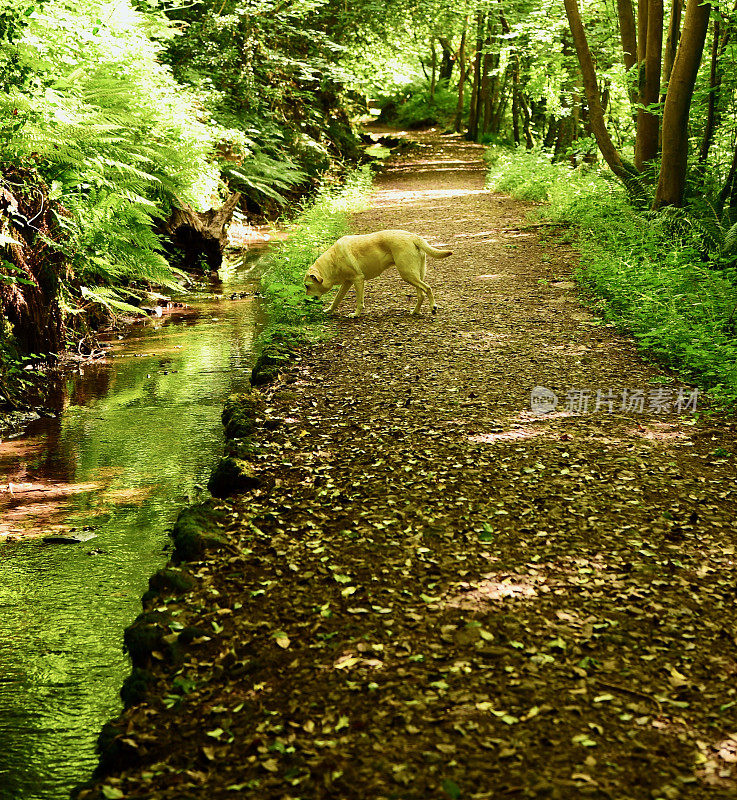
(432, 251)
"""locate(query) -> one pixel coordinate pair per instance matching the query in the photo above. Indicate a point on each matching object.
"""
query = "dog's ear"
(315, 278)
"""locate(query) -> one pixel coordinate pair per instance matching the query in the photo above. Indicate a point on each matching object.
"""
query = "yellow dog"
(355, 259)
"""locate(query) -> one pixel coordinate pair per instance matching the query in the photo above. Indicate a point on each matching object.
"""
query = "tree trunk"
(642, 9)
(672, 182)
(201, 234)
(564, 138)
(715, 80)
(498, 115)
(578, 100)
(552, 132)
(671, 41)
(447, 59)
(628, 37)
(462, 78)
(596, 113)
(434, 72)
(517, 106)
(485, 83)
(493, 93)
(730, 186)
(627, 32)
(650, 48)
(526, 122)
(473, 114)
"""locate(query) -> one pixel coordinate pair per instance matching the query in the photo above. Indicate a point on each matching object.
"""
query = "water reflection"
(136, 436)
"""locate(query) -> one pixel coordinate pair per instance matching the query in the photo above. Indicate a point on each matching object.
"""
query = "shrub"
(412, 105)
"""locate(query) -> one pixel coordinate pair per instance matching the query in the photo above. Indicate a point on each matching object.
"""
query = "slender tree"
(672, 182)
(715, 80)
(458, 122)
(628, 37)
(473, 113)
(596, 112)
(650, 43)
(671, 41)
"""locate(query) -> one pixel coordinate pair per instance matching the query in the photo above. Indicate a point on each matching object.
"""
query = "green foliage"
(533, 175)
(652, 274)
(114, 138)
(87, 105)
(415, 104)
(260, 176)
(271, 70)
(19, 374)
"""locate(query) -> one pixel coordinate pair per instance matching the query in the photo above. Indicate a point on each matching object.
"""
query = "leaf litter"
(415, 605)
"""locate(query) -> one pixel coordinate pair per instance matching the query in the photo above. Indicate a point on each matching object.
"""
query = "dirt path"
(440, 593)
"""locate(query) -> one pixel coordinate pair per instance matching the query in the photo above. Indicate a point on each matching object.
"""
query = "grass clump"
(532, 175)
(654, 275)
(315, 228)
(294, 319)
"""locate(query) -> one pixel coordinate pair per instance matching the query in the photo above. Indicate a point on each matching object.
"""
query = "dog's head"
(314, 283)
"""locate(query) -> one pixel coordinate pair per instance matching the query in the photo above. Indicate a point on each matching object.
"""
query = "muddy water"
(136, 438)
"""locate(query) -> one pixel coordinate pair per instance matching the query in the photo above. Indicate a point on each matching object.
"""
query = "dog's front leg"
(339, 297)
(358, 283)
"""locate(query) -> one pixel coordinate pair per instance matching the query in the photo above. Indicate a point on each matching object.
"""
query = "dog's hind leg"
(431, 296)
(344, 287)
(413, 272)
(422, 289)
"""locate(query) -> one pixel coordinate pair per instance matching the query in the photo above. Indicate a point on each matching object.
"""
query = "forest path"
(444, 594)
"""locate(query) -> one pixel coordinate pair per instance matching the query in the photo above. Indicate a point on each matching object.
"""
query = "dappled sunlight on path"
(488, 551)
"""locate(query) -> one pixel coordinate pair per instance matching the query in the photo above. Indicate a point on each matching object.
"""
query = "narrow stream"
(136, 436)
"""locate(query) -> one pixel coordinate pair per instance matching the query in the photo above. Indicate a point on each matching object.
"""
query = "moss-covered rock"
(136, 687)
(115, 750)
(276, 354)
(241, 414)
(168, 580)
(196, 531)
(232, 476)
(271, 361)
(245, 449)
(146, 636)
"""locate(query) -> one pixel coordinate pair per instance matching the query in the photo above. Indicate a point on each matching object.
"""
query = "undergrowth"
(315, 228)
(414, 106)
(654, 275)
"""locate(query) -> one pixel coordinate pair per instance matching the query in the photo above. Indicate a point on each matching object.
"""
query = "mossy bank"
(162, 636)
